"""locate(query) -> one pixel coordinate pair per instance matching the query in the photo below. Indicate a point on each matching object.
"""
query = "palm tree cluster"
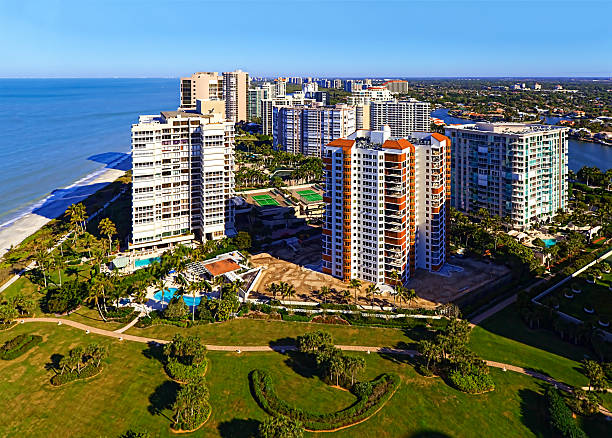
(81, 357)
(284, 289)
(331, 361)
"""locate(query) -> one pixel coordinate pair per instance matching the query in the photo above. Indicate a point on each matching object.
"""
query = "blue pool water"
(549, 242)
(169, 294)
(146, 262)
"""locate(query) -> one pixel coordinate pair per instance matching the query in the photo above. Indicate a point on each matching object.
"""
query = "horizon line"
(604, 78)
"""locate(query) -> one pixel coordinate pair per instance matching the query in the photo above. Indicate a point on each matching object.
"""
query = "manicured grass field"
(133, 392)
(505, 338)
(258, 332)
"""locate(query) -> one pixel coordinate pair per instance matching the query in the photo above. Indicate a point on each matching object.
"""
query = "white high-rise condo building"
(403, 117)
(267, 108)
(200, 86)
(235, 94)
(516, 171)
(306, 129)
(387, 205)
(362, 99)
(183, 178)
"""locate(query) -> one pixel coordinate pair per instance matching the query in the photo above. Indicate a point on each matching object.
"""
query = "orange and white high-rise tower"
(387, 204)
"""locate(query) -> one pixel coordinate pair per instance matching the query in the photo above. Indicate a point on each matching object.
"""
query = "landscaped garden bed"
(18, 346)
(371, 397)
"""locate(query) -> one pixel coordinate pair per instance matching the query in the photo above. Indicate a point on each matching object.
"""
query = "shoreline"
(16, 230)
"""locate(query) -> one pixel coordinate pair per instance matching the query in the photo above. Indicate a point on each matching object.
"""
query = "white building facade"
(403, 117)
(183, 178)
(306, 129)
(516, 171)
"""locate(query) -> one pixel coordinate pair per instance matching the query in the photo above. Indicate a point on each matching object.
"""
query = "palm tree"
(324, 292)
(78, 216)
(96, 293)
(410, 296)
(371, 290)
(355, 284)
(58, 262)
(161, 284)
(346, 294)
(42, 261)
(273, 289)
(287, 290)
(107, 227)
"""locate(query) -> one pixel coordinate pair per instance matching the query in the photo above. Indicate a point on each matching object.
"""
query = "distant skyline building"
(387, 204)
(267, 108)
(306, 129)
(397, 86)
(512, 170)
(404, 117)
(235, 94)
(201, 85)
(183, 178)
(362, 99)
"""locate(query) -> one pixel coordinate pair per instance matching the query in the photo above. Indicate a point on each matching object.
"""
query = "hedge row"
(69, 376)
(371, 398)
(561, 416)
(19, 345)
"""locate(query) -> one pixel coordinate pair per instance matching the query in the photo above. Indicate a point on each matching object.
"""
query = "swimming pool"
(169, 294)
(549, 242)
(146, 262)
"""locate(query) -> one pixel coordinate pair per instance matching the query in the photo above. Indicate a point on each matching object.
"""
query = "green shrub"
(176, 309)
(191, 408)
(19, 345)
(69, 376)
(560, 415)
(185, 373)
(382, 389)
(472, 383)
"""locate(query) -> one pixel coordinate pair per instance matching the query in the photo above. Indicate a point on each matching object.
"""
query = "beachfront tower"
(235, 94)
(183, 178)
(513, 170)
(387, 204)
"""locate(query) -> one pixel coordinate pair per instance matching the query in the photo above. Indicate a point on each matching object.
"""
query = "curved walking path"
(282, 348)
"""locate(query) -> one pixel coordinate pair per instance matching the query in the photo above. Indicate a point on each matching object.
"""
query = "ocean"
(56, 132)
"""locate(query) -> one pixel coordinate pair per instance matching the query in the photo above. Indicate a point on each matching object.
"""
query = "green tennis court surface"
(310, 195)
(262, 200)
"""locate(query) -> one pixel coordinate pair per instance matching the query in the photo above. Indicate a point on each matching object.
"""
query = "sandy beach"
(56, 204)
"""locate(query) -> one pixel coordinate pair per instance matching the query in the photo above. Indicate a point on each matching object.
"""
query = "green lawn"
(258, 332)
(133, 392)
(505, 338)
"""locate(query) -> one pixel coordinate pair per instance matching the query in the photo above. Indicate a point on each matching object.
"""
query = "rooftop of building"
(507, 128)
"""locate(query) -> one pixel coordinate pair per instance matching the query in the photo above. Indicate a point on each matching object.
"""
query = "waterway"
(581, 153)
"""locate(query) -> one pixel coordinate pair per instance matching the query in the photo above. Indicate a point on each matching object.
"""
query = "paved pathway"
(131, 324)
(493, 310)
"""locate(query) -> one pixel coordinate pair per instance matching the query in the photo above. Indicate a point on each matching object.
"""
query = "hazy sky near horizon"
(136, 38)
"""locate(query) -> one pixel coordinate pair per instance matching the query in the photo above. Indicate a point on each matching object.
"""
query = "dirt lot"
(439, 289)
(284, 264)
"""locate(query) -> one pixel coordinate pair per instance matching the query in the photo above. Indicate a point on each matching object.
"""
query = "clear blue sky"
(87, 38)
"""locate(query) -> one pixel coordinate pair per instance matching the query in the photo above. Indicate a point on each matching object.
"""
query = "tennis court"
(310, 195)
(265, 200)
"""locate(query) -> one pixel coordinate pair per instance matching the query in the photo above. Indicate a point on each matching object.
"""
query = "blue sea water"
(54, 132)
